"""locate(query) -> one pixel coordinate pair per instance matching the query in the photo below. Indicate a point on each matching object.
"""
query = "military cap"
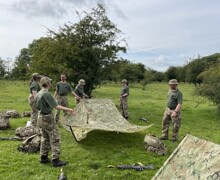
(82, 82)
(124, 81)
(173, 81)
(45, 80)
(35, 75)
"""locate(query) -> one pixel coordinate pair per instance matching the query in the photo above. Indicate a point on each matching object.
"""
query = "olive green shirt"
(174, 98)
(124, 90)
(79, 90)
(45, 102)
(34, 86)
(63, 88)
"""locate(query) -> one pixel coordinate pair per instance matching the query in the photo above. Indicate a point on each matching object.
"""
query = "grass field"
(90, 158)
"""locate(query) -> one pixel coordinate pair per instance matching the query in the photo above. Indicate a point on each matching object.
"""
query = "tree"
(2, 68)
(81, 49)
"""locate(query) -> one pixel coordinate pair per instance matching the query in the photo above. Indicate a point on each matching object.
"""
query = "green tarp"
(193, 159)
(98, 114)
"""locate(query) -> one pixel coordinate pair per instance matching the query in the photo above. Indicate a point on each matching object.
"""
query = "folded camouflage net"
(98, 114)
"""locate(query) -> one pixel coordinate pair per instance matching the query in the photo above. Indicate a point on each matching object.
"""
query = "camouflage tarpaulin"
(193, 159)
(98, 114)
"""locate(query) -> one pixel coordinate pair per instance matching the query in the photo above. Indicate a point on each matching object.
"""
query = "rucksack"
(4, 121)
(31, 144)
(27, 131)
(154, 144)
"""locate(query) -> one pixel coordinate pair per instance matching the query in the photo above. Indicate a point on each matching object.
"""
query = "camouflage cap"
(35, 75)
(45, 80)
(82, 82)
(124, 81)
(173, 81)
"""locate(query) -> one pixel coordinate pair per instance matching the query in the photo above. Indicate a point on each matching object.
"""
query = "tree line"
(90, 48)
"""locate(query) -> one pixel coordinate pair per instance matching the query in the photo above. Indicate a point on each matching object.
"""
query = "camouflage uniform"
(79, 90)
(124, 100)
(47, 124)
(173, 99)
(62, 89)
(34, 86)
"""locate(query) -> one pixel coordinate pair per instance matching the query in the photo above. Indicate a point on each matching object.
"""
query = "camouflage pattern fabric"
(27, 131)
(176, 123)
(31, 144)
(63, 101)
(153, 144)
(50, 137)
(34, 111)
(12, 114)
(26, 114)
(193, 159)
(124, 106)
(4, 121)
(98, 114)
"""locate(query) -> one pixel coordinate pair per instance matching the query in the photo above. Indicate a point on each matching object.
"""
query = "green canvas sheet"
(193, 159)
(98, 114)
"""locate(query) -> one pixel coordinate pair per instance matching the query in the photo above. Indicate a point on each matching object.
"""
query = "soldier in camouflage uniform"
(172, 112)
(124, 98)
(34, 89)
(79, 90)
(62, 89)
(50, 136)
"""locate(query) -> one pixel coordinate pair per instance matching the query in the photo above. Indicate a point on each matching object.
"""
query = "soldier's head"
(82, 82)
(124, 82)
(63, 77)
(36, 76)
(173, 84)
(45, 82)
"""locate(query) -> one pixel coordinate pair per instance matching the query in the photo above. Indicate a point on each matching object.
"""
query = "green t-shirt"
(63, 88)
(34, 86)
(79, 90)
(45, 102)
(124, 90)
(174, 98)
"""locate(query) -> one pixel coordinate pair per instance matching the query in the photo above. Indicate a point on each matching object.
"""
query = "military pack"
(155, 145)
(4, 121)
(26, 131)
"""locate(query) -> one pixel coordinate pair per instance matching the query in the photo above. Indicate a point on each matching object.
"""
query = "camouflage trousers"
(34, 111)
(124, 106)
(63, 101)
(50, 136)
(176, 123)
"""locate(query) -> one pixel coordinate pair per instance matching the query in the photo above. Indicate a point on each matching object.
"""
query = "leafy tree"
(81, 49)
(21, 65)
(171, 73)
(2, 68)
(211, 86)
(148, 78)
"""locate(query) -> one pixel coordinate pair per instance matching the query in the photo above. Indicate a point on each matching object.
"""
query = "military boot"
(57, 163)
(44, 159)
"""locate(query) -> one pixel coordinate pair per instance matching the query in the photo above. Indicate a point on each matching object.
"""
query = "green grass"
(90, 158)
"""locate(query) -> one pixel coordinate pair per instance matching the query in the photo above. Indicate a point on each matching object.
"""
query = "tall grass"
(90, 158)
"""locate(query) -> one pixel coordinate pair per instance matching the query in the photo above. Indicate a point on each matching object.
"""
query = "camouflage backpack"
(26, 131)
(153, 144)
(31, 144)
(4, 121)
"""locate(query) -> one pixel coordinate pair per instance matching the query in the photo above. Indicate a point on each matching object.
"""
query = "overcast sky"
(159, 33)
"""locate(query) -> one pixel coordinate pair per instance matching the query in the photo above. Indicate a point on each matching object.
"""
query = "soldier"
(79, 90)
(62, 89)
(124, 98)
(172, 112)
(34, 89)
(50, 136)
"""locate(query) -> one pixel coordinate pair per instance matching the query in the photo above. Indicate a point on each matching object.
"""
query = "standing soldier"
(50, 136)
(34, 89)
(62, 89)
(79, 90)
(172, 112)
(124, 98)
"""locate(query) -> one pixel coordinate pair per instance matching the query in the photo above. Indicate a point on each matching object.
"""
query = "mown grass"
(90, 158)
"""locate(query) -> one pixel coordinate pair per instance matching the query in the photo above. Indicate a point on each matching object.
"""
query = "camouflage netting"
(98, 114)
(194, 158)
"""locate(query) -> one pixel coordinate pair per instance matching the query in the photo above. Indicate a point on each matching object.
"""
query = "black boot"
(57, 163)
(44, 159)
